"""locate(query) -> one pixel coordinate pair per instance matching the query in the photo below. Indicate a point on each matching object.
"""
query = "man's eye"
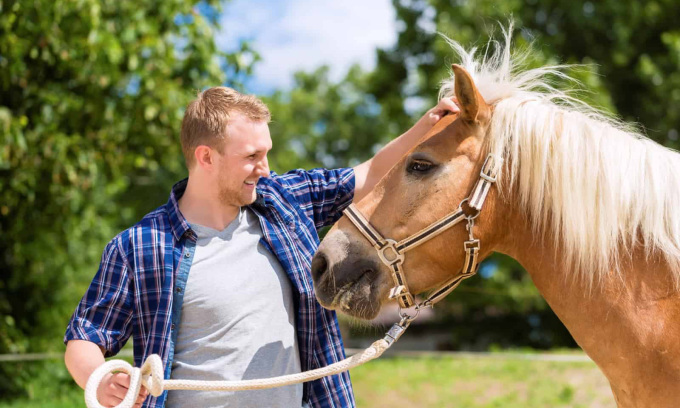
(420, 166)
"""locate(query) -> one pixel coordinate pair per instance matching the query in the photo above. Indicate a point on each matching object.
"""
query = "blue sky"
(295, 35)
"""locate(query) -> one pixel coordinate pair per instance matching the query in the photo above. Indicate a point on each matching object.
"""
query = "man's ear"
(469, 98)
(204, 156)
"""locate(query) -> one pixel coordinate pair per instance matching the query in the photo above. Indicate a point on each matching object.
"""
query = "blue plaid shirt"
(138, 289)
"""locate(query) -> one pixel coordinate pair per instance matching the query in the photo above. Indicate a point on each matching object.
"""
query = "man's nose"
(263, 168)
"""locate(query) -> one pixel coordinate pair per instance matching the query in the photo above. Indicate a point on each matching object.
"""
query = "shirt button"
(172, 326)
(187, 254)
(178, 290)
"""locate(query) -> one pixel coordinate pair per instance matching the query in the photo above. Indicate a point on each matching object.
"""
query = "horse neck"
(629, 326)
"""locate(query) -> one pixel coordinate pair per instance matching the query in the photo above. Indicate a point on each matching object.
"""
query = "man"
(217, 281)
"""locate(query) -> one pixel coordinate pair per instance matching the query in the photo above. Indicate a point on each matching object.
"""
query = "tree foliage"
(321, 123)
(629, 52)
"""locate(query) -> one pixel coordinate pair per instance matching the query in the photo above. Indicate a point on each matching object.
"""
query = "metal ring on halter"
(407, 318)
(469, 217)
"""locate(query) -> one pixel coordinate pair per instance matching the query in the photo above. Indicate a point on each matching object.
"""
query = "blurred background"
(92, 95)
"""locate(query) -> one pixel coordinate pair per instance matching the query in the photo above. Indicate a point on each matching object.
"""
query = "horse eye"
(420, 166)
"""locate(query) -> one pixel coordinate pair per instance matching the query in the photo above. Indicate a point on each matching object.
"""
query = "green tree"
(322, 123)
(91, 100)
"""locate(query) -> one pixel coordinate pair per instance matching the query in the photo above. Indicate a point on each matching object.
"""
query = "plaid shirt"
(138, 289)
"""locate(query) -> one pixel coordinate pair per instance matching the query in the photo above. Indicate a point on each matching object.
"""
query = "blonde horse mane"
(601, 187)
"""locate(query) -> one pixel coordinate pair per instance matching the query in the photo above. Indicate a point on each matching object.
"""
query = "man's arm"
(95, 331)
(368, 173)
(82, 358)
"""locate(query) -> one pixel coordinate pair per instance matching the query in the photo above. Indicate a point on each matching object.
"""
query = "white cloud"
(304, 34)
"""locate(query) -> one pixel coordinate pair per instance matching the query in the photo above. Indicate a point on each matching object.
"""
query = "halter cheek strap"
(391, 252)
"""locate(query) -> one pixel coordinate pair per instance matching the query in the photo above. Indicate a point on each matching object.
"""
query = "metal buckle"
(485, 176)
(472, 244)
(402, 294)
(397, 291)
(392, 245)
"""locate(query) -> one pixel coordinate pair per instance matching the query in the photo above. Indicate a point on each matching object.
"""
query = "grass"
(414, 382)
(490, 382)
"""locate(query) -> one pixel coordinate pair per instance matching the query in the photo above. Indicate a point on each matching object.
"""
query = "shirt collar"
(262, 199)
(265, 187)
(178, 223)
(271, 198)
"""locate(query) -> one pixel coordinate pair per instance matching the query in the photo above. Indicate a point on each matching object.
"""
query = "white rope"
(151, 376)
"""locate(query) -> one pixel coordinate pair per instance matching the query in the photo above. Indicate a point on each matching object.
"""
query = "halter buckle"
(488, 177)
(390, 258)
(397, 291)
(471, 244)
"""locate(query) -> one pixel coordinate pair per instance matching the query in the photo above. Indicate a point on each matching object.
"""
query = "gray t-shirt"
(238, 320)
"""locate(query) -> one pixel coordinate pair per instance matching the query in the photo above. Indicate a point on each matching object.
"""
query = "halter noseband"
(391, 252)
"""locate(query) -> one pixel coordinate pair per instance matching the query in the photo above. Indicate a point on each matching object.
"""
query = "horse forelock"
(599, 185)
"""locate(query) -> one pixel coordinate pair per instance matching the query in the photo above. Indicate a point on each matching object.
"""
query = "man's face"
(244, 160)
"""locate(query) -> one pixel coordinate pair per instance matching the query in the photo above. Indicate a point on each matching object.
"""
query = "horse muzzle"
(346, 278)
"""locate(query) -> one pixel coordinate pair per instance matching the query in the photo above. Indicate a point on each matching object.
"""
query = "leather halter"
(391, 252)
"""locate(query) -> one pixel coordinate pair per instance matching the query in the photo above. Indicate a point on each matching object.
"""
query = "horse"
(585, 202)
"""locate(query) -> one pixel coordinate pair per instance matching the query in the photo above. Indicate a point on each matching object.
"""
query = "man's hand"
(368, 173)
(444, 107)
(113, 389)
(82, 358)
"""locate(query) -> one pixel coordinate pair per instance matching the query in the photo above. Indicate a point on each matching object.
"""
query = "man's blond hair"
(206, 118)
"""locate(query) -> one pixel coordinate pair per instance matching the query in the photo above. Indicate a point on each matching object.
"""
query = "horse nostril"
(319, 266)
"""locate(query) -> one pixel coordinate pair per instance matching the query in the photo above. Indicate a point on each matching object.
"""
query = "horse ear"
(468, 96)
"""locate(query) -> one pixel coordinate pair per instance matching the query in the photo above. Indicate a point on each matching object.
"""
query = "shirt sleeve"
(332, 390)
(323, 194)
(104, 314)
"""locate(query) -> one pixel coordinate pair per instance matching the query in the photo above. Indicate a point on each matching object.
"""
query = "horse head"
(430, 182)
